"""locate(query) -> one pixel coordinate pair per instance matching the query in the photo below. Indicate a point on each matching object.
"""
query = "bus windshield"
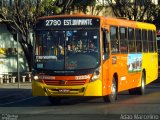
(67, 49)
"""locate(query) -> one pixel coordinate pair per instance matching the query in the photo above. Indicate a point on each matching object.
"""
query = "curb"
(26, 85)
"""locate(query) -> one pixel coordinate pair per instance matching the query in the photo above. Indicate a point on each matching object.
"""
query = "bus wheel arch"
(140, 90)
(111, 98)
(115, 76)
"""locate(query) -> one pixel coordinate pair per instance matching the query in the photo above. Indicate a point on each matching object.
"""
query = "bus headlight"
(96, 74)
(35, 77)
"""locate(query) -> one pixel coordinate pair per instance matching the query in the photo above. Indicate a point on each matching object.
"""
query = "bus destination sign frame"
(68, 22)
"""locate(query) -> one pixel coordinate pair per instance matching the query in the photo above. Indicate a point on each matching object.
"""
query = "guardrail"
(13, 77)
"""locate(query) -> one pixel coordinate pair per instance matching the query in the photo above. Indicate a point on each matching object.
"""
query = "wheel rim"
(113, 90)
(143, 84)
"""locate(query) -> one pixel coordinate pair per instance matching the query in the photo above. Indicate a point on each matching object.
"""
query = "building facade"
(10, 52)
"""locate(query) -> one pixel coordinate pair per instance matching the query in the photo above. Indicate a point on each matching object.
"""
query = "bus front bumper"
(89, 89)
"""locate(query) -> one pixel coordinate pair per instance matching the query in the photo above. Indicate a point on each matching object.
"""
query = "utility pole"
(18, 75)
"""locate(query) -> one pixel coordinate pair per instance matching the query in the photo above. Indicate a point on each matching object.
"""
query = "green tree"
(20, 16)
(154, 15)
(97, 7)
(83, 6)
(138, 10)
(133, 10)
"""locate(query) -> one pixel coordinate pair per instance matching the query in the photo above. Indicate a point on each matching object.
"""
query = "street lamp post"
(18, 75)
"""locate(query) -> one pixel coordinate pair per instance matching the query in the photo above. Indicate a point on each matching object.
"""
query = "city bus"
(87, 55)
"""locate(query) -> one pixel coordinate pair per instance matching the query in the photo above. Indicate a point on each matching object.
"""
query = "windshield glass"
(67, 50)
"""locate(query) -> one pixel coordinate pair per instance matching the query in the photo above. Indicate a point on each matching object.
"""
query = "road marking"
(17, 101)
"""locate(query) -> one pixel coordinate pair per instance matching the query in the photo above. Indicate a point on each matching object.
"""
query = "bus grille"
(64, 82)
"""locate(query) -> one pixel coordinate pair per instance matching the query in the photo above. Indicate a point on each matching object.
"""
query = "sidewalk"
(26, 85)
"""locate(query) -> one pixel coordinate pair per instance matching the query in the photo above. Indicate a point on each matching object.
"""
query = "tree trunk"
(28, 52)
(25, 45)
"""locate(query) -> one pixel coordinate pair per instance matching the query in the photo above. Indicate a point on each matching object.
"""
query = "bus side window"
(144, 40)
(154, 41)
(123, 40)
(105, 45)
(138, 40)
(114, 39)
(131, 40)
(150, 41)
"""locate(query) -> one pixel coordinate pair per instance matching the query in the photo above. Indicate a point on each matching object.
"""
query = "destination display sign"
(68, 22)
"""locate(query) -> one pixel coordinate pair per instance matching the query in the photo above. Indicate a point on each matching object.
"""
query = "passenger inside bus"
(92, 46)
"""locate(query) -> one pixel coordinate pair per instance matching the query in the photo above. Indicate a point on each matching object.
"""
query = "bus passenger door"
(105, 61)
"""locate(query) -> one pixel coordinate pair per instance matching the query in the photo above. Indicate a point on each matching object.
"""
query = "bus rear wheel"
(54, 100)
(113, 96)
(141, 90)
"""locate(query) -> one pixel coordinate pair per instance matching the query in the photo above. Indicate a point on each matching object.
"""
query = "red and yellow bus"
(85, 55)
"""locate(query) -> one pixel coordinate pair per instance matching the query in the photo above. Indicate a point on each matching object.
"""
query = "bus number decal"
(53, 22)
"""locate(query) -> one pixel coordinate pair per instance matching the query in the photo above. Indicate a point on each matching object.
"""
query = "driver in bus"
(92, 46)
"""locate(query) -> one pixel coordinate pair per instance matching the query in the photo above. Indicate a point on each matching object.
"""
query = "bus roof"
(119, 22)
(128, 23)
(144, 25)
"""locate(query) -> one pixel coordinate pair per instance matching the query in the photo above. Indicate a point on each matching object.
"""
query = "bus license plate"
(64, 90)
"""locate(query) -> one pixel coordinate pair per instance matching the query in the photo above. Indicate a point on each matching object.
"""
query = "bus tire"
(111, 98)
(54, 100)
(141, 90)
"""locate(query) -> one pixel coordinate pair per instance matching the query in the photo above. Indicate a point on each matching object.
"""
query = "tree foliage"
(81, 5)
(138, 10)
(134, 10)
(86, 6)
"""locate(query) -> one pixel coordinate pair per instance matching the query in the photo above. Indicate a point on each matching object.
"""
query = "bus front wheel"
(113, 96)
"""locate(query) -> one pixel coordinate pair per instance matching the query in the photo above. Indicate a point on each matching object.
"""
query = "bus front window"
(67, 50)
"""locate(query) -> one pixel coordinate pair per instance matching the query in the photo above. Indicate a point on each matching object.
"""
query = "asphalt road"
(25, 107)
